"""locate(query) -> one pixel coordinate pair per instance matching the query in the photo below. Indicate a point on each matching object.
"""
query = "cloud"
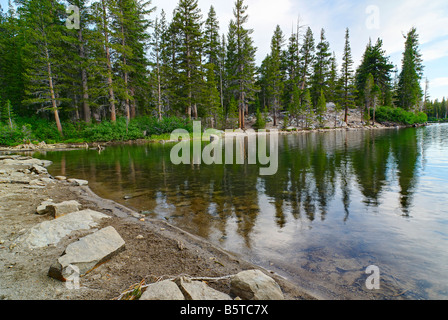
(439, 82)
(435, 51)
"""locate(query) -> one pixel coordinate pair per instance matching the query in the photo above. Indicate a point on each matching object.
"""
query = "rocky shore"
(59, 241)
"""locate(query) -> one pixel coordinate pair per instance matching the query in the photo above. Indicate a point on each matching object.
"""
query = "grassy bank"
(35, 130)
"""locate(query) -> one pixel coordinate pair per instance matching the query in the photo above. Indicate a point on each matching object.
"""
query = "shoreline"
(101, 144)
(154, 248)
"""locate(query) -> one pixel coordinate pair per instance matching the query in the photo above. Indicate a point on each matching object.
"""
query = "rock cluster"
(246, 285)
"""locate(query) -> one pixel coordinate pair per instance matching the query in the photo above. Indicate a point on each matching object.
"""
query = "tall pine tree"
(347, 78)
(241, 61)
(187, 23)
(321, 69)
(45, 57)
(409, 92)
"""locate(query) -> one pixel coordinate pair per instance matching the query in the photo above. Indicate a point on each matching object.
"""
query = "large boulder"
(163, 290)
(87, 253)
(53, 231)
(255, 285)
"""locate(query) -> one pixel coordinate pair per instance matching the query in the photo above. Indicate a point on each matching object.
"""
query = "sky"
(372, 19)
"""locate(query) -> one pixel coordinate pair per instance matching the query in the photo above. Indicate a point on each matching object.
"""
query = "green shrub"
(398, 115)
(39, 129)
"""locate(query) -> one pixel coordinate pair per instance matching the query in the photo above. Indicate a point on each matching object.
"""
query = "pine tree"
(12, 42)
(332, 79)
(103, 80)
(368, 93)
(169, 43)
(211, 96)
(291, 62)
(240, 62)
(212, 39)
(214, 50)
(295, 107)
(76, 41)
(306, 58)
(275, 73)
(321, 108)
(409, 92)
(187, 22)
(348, 88)
(44, 54)
(376, 63)
(307, 107)
(129, 30)
(321, 69)
(156, 63)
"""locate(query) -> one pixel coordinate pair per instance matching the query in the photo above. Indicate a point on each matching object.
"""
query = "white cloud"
(439, 82)
(435, 51)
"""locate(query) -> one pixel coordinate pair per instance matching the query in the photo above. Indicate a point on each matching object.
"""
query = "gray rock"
(38, 169)
(78, 182)
(255, 285)
(42, 208)
(58, 210)
(60, 178)
(87, 253)
(198, 290)
(47, 180)
(53, 231)
(36, 182)
(163, 290)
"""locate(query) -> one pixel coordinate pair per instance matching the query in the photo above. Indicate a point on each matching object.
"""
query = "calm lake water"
(340, 202)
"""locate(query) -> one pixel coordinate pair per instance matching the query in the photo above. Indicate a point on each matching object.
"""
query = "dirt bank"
(154, 249)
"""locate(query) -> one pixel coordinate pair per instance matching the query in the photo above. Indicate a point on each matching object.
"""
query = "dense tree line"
(118, 59)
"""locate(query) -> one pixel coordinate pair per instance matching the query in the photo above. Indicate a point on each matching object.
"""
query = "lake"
(340, 202)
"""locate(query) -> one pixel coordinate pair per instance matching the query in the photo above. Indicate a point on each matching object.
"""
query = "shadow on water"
(340, 201)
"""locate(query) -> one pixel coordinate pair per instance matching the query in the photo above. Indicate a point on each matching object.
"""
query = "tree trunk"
(126, 93)
(159, 89)
(53, 97)
(113, 116)
(85, 94)
(133, 105)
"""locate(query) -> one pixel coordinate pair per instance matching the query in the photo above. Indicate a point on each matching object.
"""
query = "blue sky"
(385, 19)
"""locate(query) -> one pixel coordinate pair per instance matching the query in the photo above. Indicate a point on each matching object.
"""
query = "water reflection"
(200, 197)
(321, 177)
